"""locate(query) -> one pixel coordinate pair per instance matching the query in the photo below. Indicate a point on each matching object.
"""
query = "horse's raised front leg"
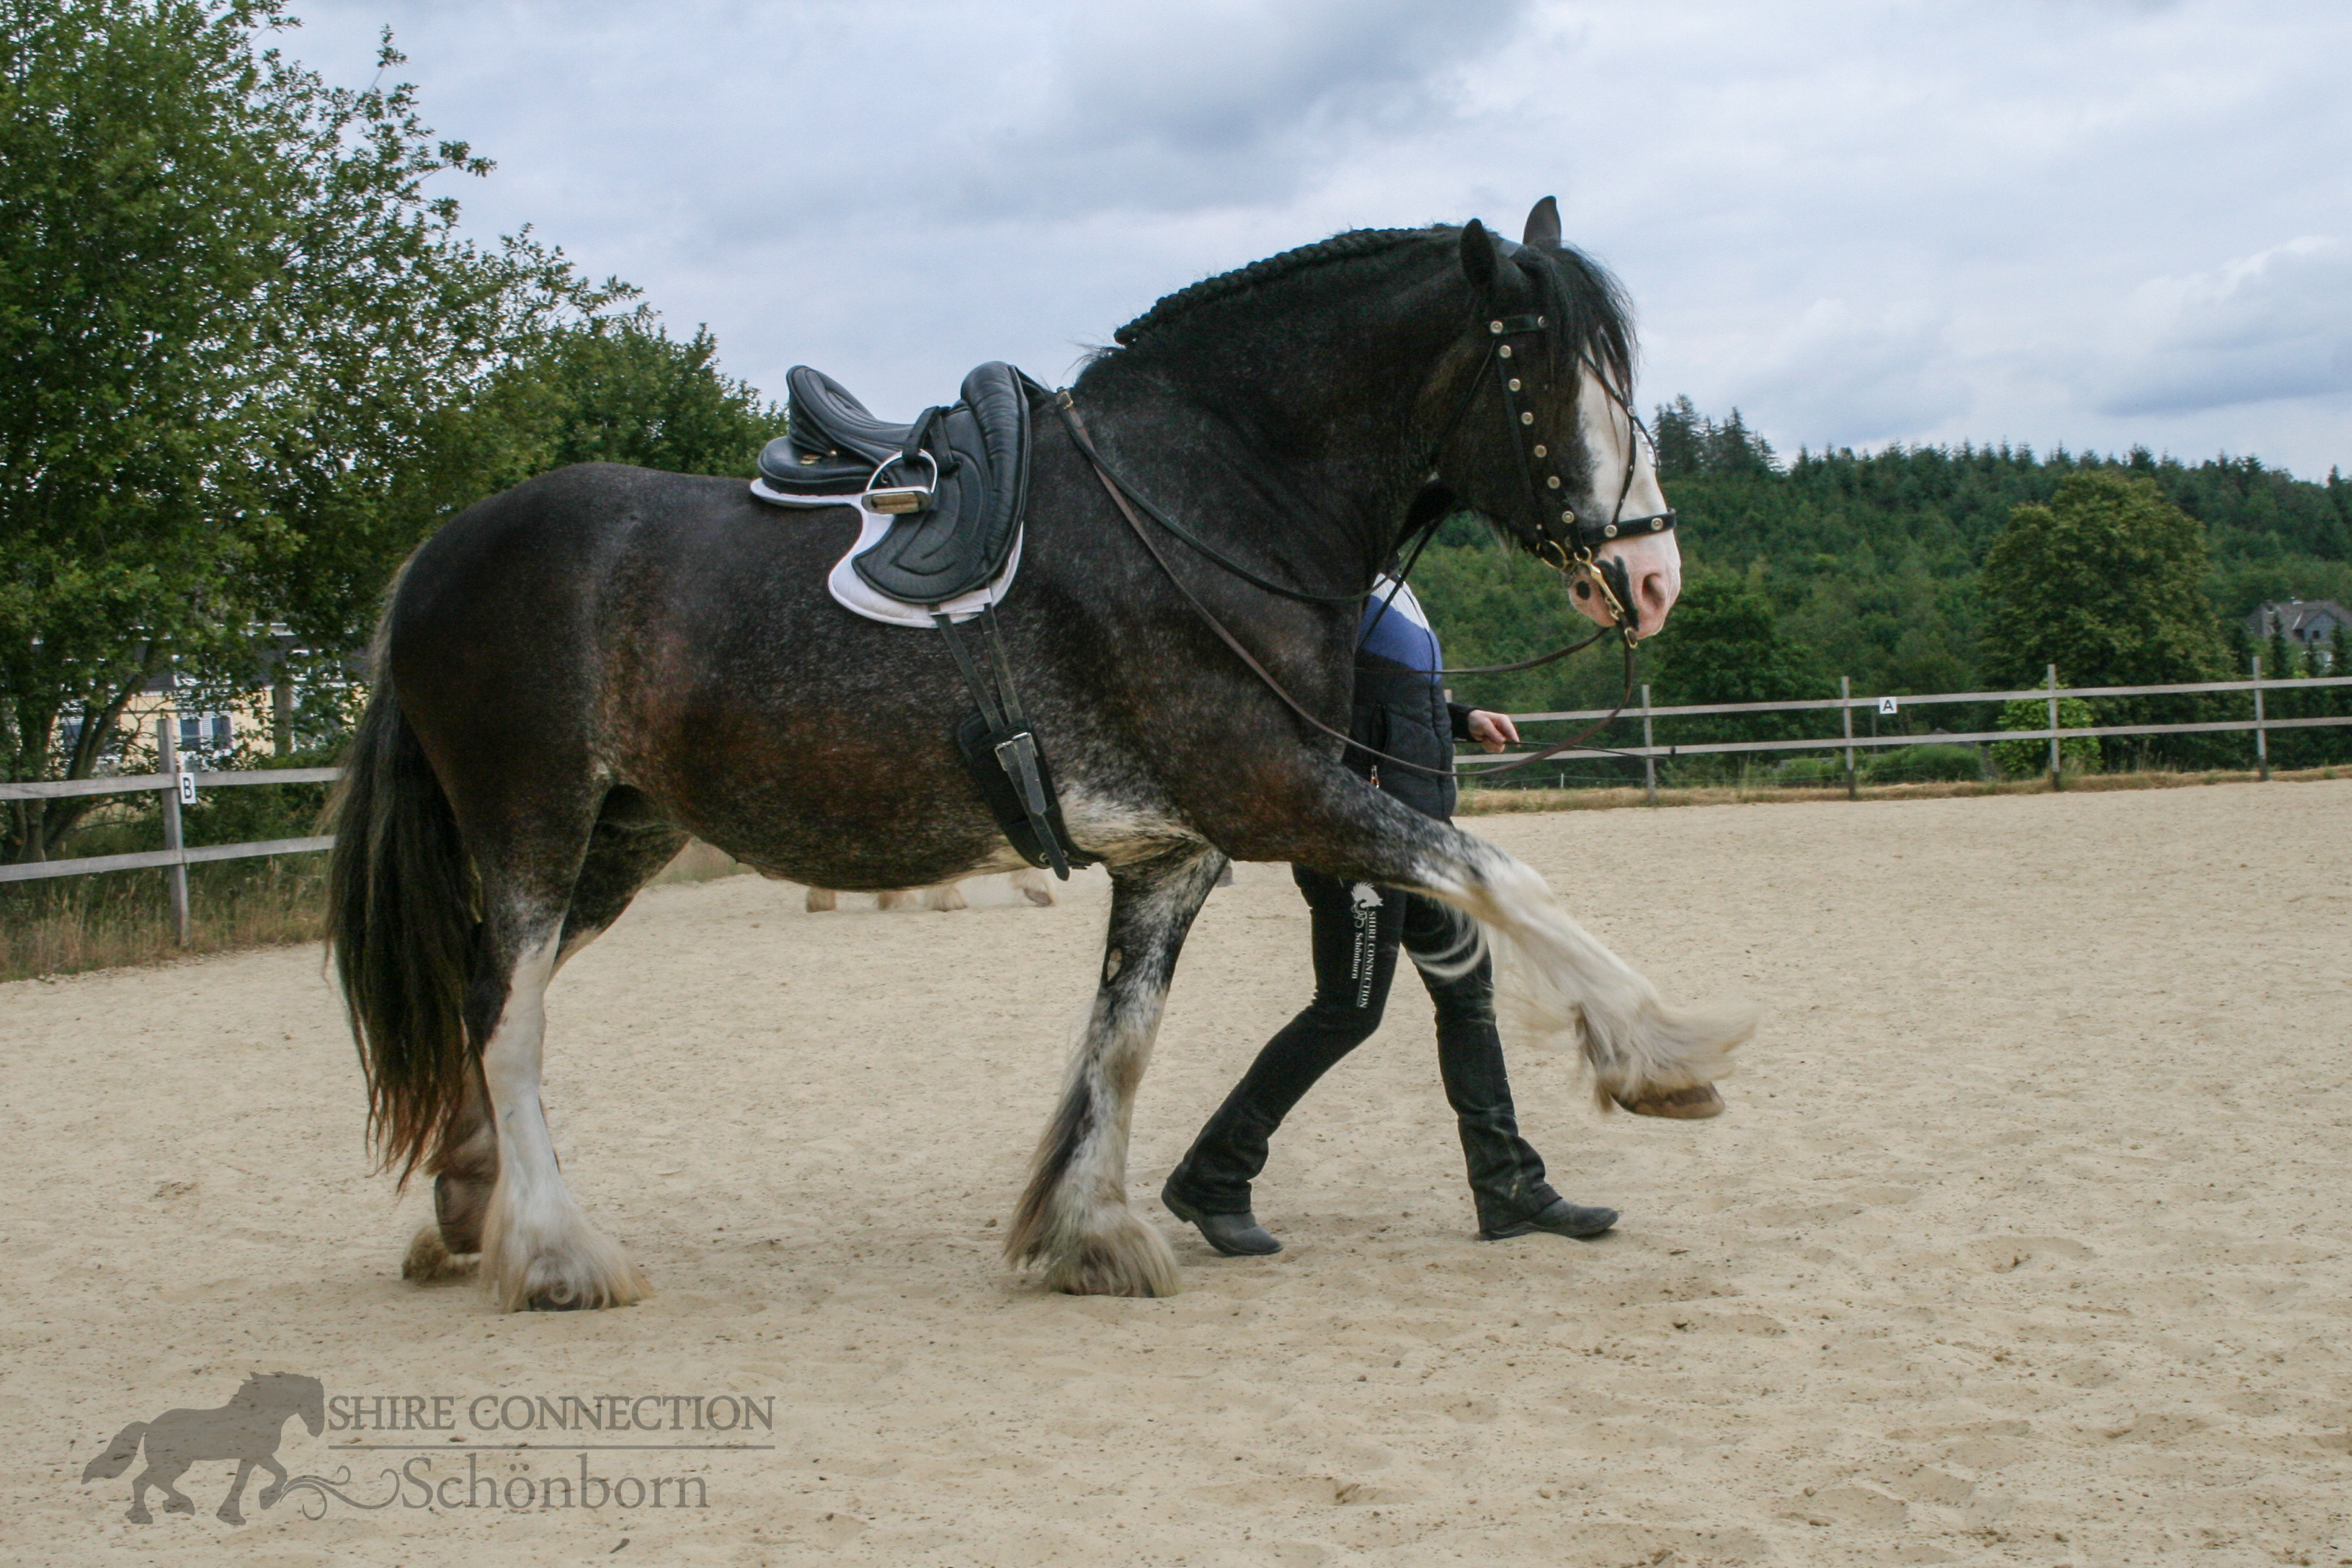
(1074, 1223)
(1647, 1055)
(267, 1497)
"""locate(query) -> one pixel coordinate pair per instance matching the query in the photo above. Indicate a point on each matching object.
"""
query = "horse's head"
(1543, 439)
(289, 1393)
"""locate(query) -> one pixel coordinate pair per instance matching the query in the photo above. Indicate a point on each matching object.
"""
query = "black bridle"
(1570, 546)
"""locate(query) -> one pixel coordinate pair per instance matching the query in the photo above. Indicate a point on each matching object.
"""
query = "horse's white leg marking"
(945, 897)
(1074, 1220)
(538, 1249)
(821, 900)
(1559, 979)
(1031, 884)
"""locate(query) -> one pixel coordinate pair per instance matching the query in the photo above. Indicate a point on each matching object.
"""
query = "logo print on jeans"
(1364, 901)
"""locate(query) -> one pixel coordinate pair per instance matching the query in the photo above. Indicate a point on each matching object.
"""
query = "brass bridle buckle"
(1580, 562)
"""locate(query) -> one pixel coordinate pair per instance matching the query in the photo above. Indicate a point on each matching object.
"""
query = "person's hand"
(1493, 730)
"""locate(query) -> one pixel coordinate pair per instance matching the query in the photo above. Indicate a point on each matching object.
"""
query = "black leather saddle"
(834, 443)
(958, 477)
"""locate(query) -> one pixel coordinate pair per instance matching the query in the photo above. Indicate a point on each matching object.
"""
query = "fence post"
(1649, 750)
(167, 755)
(2262, 733)
(1845, 711)
(2057, 779)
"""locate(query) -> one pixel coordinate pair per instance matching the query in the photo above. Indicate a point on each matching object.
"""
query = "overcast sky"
(2089, 221)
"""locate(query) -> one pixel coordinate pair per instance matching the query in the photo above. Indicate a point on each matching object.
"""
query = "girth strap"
(1000, 753)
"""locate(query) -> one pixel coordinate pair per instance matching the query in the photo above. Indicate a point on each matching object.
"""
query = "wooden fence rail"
(1648, 750)
(177, 785)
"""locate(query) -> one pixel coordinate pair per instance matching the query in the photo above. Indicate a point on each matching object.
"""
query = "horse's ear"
(1480, 260)
(1543, 226)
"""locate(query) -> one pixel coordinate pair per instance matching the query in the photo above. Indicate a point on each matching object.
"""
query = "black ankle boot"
(1561, 1218)
(1235, 1235)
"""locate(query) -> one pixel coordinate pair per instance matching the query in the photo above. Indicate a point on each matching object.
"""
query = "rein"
(1067, 407)
(1569, 548)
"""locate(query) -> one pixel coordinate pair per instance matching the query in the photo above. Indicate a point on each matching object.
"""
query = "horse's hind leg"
(163, 1477)
(538, 1249)
(465, 1168)
(1074, 1222)
(1031, 884)
(626, 848)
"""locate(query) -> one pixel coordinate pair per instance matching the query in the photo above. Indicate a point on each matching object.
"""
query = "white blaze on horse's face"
(1653, 562)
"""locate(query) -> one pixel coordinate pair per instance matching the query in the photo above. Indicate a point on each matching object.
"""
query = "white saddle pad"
(858, 596)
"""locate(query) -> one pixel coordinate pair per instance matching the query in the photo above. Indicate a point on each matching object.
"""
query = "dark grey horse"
(574, 675)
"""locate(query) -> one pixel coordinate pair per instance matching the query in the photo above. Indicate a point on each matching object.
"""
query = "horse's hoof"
(430, 1262)
(228, 1515)
(551, 1304)
(1039, 897)
(140, 1516)
(180, 1505)
(1695, 1103)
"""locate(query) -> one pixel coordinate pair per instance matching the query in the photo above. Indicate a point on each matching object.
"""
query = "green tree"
(620, 389)
(2106, 582)
(2022, 759)
(234, 320)
(1724, 644)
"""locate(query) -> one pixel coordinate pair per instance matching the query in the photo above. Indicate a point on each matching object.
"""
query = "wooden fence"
(177, 786)
(2260, 725)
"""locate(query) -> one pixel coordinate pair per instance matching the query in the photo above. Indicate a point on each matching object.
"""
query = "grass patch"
(66, 924)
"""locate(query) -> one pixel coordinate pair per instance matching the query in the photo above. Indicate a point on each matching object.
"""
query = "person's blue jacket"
(1400, 706)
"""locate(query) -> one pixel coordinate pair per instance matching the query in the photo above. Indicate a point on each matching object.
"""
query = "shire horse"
(575, 675)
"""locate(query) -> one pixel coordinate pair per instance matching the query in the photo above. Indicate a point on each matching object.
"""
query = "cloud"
(2276, 324)
(1860, 220)
(1854, 374)
(1219, 103)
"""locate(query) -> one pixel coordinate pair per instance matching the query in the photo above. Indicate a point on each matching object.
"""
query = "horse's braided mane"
(1588, 302)
(1348, 247)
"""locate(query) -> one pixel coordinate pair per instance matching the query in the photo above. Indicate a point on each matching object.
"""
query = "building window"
(207, 733)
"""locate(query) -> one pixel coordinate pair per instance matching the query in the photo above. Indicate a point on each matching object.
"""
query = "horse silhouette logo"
(245, 1429)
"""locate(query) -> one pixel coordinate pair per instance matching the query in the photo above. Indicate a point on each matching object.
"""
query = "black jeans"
(1357, 930)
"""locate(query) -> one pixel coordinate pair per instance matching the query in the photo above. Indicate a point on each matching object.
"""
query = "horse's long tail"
(118, 1456)
(400, 902)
